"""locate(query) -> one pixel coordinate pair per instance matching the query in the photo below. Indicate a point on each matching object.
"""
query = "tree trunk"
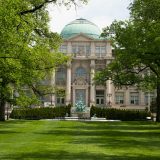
(158, 103)
(2, 109)
(2, 101)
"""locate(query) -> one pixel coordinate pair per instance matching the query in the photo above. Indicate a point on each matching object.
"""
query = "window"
(88, 50)
(80, 72)
(100, 97)
(61, 76)
(63, 48)
(134, 98)
(60, 101)
(149, 97)
(100, 51)
(119, 98)
(81, 49)
(74, 49)
(103, 49)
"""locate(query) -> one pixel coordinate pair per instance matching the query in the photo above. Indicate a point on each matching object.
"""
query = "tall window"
(103, 50)
(88, 50)
(119, 98)
(74, 49)
(149, 97)
(80, 72)
(81, 49)
(100, 51)
(61, 76)
(134, 98)
(100, 97)
(63, 48)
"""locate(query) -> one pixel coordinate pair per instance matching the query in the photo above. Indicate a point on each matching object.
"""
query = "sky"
(100, 12)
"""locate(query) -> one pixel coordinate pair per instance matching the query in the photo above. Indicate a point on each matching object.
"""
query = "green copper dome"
(80, 26)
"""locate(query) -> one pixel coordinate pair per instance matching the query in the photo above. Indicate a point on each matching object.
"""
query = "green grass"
(70, 140)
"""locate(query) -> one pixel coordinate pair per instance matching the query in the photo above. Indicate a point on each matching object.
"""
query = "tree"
(137, 49)
(28, 49)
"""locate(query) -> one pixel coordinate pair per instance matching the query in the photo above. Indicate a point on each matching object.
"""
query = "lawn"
(76, 140)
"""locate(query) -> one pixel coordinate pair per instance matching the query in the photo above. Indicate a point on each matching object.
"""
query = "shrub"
(119, 114)
(40, 113)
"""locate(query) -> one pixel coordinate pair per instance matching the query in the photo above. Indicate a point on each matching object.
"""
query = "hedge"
(119, 114)
(40, 113)
(60, 112)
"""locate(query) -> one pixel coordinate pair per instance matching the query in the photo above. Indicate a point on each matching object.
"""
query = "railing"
(87, 55)
(77, 55)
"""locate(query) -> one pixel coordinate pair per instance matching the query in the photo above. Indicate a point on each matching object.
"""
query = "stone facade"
(89, 55)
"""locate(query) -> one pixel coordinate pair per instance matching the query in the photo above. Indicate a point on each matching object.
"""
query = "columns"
(127, 97)
(109, 94)
(92, 49)
(68, 84)
(141, 98)
(92, 85)
(52, 96)
(109, 49)
(69, 48)
(149, 101)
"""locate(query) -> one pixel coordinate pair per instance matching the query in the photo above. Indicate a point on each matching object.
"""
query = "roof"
(81, 26)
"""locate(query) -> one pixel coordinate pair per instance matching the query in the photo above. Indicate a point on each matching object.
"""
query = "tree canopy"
(136, 45)
(28, 49)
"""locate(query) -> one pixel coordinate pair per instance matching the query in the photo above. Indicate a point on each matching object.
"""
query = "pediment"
(81, 37)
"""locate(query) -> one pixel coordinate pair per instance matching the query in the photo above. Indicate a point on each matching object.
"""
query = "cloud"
(100, 12)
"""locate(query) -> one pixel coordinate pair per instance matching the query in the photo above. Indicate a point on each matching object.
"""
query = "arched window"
(80, 72)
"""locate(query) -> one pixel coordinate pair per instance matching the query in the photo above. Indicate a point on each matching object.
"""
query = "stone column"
(92, 85)
(127, 97)
(109, 90)
(109, 94)
(68, 84)
(69, 48)
(109, 49)
(149, 101)
(141, 98)
(52, 96)
(92, 49)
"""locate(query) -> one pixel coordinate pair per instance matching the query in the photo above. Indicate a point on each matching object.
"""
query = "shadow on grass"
(110, 137)
(119, 135)
(8, 132)
(63, 155)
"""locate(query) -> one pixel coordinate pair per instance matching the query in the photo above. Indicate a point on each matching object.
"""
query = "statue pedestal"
(83, 114)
